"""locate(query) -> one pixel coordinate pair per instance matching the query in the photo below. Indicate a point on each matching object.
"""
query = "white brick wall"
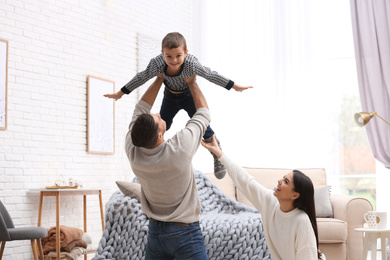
(53, 47)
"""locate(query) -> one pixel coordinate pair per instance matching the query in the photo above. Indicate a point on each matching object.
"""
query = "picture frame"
(101, 116)
(3, 83)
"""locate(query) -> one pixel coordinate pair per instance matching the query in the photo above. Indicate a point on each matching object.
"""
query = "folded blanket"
(67, 235)
(73, 244)
(72, 255)
(87, 238)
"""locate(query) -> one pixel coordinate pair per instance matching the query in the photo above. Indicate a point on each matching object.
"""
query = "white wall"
(53, 47)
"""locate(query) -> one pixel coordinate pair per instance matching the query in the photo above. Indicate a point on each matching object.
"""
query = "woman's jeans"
(171, 240)
(172, 103)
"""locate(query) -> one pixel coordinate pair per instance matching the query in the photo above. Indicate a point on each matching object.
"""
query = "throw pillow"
(130, 189)
(322, 202)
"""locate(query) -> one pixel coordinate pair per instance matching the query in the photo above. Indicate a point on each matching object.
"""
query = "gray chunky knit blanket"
(231, 230)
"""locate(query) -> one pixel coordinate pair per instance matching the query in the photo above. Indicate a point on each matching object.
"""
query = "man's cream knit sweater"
(168, 188)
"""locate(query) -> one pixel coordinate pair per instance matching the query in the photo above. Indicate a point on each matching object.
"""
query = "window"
(300, 112)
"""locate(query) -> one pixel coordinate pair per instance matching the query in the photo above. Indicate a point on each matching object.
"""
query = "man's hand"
(190, 80)
(240, 88)
(116, 95)
(160, 76)
(213, 147)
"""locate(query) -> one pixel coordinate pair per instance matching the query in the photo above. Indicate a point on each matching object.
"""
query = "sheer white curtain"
(299, 57)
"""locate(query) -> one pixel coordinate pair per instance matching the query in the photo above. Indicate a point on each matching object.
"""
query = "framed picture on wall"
(101, 116)
(3, 83)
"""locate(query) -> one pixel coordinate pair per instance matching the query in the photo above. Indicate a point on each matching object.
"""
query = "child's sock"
(219, 168)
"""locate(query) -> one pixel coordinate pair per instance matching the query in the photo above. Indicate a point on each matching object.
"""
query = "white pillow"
(322, 202)
(130, 189)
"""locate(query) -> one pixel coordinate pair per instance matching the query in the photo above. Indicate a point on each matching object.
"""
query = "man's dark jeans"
(172, 103)
(179, 241)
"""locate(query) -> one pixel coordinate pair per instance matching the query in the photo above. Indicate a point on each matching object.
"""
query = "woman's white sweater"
(289, 235)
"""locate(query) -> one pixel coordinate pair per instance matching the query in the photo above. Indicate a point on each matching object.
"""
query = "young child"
(174, 63)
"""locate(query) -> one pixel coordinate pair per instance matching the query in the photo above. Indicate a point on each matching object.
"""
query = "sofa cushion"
(268, 177)
(130, 189)
(331, 230)
(226, 184)
(322, 202)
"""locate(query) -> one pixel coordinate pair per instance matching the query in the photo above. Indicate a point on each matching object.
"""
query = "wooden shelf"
(69, 192)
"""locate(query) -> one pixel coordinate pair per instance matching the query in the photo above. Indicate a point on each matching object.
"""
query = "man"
(169, 195)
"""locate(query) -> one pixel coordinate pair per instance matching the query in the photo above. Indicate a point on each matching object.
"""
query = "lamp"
(362, 118)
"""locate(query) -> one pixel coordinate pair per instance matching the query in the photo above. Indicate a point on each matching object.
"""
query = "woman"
(288, 213)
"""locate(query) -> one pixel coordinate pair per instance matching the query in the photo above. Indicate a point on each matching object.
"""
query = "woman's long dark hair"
(304, 186)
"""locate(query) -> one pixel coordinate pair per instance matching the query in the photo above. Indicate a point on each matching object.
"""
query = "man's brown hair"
(145, 131)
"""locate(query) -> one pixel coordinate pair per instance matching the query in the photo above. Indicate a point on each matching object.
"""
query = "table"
(372, 234)
(68, 192)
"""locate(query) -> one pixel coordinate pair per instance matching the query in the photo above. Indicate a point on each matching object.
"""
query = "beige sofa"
(337, 236)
